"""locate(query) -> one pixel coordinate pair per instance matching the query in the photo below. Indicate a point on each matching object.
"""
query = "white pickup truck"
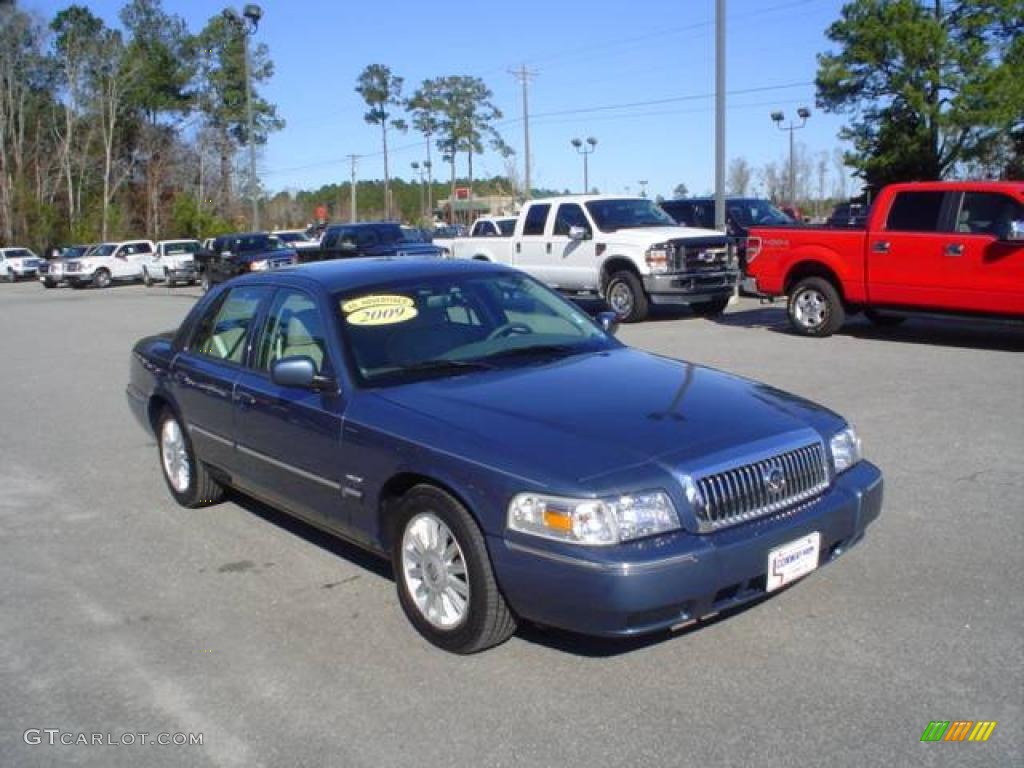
(173, 261)
(16, 263)
(624, 249)
(109, 262)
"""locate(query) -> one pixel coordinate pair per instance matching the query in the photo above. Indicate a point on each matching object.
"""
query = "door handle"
(882, 246)
(547, 248)
(519, 247)
(185, 379)
(954, 249)
(245, 400)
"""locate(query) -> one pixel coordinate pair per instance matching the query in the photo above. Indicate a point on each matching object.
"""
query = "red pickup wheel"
(815, 307)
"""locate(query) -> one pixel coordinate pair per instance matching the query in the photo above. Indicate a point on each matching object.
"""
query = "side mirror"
(1013, 232)
(578, 233)
(299, 373)
(609, 322)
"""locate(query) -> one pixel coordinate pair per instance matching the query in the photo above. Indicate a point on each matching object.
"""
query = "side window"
(222, 332)
(570, 215)
(915, 212)
(367, 237)
(330, 240)
(536, 217)
(487, 229)
(294, 328)
(988, 213)
(144, 248)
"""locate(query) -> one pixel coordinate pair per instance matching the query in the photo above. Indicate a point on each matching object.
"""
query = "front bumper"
(660, 582)
(23, 272)
(80, 278)
(690, 287)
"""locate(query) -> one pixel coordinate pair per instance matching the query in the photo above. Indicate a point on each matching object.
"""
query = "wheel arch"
(396, 487)
(812, 268)
(617, 263)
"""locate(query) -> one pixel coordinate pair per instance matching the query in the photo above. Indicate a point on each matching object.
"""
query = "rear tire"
(187, 478)
(883, 321)
(625, 296)
(711, 308)
(815, 308)
(445, 581)
(49, 284)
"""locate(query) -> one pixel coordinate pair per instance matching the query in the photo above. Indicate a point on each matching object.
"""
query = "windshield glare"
(103, 250)
(611, 215)
(753, 212)
(451, 325)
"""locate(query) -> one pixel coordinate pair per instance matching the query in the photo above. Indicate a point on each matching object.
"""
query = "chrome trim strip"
(211, 435)
(622, 568)
(289, 468)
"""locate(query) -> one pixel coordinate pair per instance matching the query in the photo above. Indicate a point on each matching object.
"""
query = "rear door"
(988, 268)
(531, 251)
(906, 263)
(573, 262)
(205, 372)
(289, 439)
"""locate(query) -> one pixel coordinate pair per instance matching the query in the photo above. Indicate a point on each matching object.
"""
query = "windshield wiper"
(546, 350)
(430, 366)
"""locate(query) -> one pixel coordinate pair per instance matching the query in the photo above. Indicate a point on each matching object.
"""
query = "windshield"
(17, 253)
(103, 250)
(507, 227)
(291, 237)
(751, 213)
(611, 215)
(456, 324)
(413, 235)
(74, 251)
(186, 246)
(257, 243)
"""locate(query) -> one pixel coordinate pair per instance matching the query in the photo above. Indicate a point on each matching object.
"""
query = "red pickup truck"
(937, 247)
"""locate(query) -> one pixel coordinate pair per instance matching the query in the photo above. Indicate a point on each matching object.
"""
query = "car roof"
(352, 274)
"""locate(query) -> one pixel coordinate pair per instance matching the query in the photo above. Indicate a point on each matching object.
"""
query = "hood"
(581, 418)
(646, 236)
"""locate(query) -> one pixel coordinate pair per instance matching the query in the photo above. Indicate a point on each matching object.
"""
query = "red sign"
(462, 193)
(321, 213)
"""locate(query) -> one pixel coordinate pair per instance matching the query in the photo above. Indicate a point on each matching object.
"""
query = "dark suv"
(741, 213)
(374, 238)
(241, 253)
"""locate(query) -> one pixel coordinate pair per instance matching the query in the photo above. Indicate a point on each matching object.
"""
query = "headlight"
(658, 257)
(258, 266)
(596, 522)
(846, 449)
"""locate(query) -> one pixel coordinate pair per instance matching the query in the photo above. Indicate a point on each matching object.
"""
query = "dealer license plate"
(792, 561)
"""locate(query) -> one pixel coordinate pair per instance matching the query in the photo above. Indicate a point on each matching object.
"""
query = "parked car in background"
(946, 247)
(415, 234)
(296, 238)
(741, 213)
(624, 249)
(512, 459)
(18, 263)
(493, 226)
(173, 261)
(52, 271)
(444, 236)
(848, 216)
(108, 263)
(374, 238)
(241, 253)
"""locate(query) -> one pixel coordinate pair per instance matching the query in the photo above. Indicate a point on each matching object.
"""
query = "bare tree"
(738, 179)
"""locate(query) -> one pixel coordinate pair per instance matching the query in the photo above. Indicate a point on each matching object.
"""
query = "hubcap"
(620, 299)
(810, 308)
(175, 456)
(434, 570)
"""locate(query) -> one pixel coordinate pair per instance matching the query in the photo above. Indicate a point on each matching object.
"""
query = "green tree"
(382, 92)
(426, 107)
(680, 190)
(926, 85)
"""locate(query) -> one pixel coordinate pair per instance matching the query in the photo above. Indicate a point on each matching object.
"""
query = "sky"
(638, 76)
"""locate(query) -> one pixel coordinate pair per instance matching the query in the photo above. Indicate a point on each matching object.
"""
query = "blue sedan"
(509, 455)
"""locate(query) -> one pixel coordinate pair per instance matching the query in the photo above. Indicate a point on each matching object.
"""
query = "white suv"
(109, 262)
(16, 263)
(173, 261)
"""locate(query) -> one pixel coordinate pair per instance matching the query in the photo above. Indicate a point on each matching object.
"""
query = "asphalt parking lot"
(122, 612)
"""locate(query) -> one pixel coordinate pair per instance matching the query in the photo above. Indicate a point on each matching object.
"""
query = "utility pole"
(352, 214)
(720, 115)
(524, 75)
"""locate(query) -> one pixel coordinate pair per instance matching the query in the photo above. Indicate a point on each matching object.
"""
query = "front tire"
(49, 284)
(147, 280)
(815, 308)
(102, 279)
(204, 282)
(625, 296)
(187, 479)
(712, 308)
(9, 277)
(445, 582)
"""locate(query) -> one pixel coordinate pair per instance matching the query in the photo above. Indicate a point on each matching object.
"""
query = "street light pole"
(252, 14)
(779, 118)
(586, 149)
(419, 172)
(430, 189)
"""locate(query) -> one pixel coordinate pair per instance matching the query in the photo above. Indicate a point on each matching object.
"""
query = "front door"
(988, 268)
(289, 439)
(573, 262)
(905, 260)
(205, 372)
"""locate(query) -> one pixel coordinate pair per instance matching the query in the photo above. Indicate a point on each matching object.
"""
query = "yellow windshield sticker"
(379, 310)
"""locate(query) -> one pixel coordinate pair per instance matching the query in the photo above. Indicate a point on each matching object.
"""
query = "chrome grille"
(697, 258)
(761, 488)
(73, 266)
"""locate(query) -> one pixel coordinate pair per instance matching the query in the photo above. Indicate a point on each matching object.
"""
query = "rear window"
(915, 212)
(536, 218)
